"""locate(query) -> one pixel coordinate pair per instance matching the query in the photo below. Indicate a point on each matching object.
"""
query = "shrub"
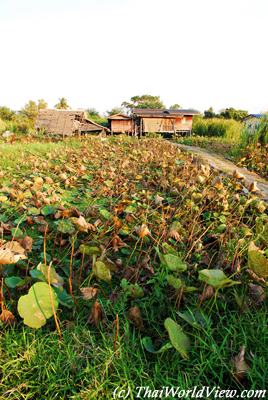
(263, 131)
(258, 135)
(216, 127)
(21, 124)
(2, 126)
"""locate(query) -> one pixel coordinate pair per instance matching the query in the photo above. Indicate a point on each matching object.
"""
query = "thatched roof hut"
(66, 123)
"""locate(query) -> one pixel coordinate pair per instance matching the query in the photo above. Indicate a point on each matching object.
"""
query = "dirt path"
(223, 165)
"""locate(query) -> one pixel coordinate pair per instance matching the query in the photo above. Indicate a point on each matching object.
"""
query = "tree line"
(24, 119)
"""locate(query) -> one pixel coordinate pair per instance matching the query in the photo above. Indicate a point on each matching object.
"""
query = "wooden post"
(135, 128)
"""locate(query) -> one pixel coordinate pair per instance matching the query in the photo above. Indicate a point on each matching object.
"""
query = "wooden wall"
(121, 125)
(184, 123)
(162, 125)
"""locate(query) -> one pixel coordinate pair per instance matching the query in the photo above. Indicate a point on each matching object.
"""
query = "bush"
(216, 127)
(21, 124)
(258, 135)
(263, 131)
(94, 116)
(2, 126)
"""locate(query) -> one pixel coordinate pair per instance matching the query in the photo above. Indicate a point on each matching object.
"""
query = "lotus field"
(132, 239)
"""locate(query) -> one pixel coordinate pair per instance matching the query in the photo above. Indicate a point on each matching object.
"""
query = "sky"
(99, 53)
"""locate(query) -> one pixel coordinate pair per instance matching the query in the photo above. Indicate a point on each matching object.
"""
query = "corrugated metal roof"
(148, 112)
(254, 116)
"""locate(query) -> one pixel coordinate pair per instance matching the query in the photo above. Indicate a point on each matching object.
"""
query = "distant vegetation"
(148, 101)
(216, 127)
(227, 113)
(144, 101)
(258, 135)
(23, 121)
(62, 104)
(225, 125)
(95, 116)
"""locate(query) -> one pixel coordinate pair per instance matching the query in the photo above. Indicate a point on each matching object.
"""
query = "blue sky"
(98, 53)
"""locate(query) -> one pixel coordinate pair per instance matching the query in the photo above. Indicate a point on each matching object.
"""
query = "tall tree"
(175, 106)
(95, 116)
(42, 104)
(30, 110)
(232, 113)
(144, 101)
(209, 113)
(92, 112)
(6, 113)
(115, 110)
(62, 104)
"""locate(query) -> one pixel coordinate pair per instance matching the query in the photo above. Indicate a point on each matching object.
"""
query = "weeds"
(215, 127)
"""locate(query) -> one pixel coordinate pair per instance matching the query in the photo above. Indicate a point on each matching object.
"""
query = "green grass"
(84, 365)
(12, 155)
(222, 146)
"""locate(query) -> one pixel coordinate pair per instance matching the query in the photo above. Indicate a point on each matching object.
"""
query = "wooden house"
(66, 123)
(120, 123)
(162, 121)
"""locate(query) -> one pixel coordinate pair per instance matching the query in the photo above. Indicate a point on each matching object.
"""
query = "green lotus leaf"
(105, 213)
(174, 263)
(101, 271)
(216, 278)
(36, 307)
(13, 281)
(130, 209)
(257, 261)
(48, 210)
(66, 226)
(89, 250)
(132, 290)
(55, 278)
(178, 338)
(174, 282)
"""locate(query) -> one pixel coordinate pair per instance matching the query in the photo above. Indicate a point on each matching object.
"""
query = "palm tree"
(62, 104)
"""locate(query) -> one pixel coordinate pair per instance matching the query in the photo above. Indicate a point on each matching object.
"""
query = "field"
(154, 267)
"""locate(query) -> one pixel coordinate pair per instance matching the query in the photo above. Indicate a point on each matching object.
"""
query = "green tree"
(144, 101)
(6, 114)
(209, 113)
(232, 113)
(92, 112)
(62, 104)
(95, 116)
(42, 104)
(30, 110)
(115, 110)
(175, 106)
